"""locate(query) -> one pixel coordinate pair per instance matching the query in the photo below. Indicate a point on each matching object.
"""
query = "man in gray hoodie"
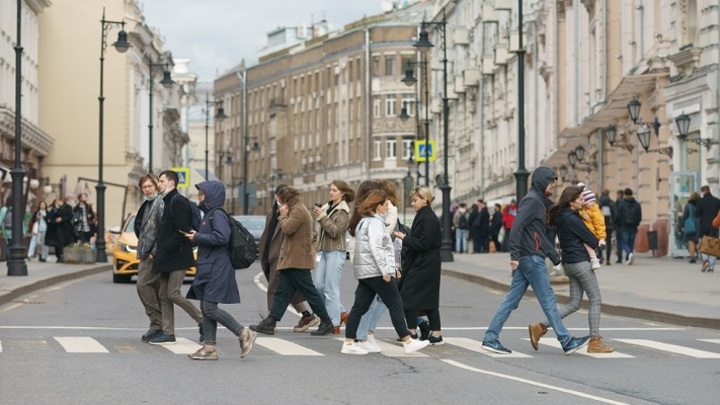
(529, 246)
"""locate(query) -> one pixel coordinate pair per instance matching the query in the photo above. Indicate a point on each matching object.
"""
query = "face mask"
(383, 216)
(150, 198)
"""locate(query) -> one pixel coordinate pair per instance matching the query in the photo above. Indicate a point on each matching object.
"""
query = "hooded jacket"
(528, 235)
(572, 234)
(215, 278)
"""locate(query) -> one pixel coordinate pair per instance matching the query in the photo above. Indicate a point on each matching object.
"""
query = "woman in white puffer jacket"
(374, 267)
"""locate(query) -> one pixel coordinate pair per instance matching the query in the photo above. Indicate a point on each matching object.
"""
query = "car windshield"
(130, 225)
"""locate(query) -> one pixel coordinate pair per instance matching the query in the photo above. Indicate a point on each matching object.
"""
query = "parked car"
(255, 224)
(125, 261)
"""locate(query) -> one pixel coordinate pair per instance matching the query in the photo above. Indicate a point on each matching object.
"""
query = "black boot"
(325, 328)
(267, 326)
(424, 330)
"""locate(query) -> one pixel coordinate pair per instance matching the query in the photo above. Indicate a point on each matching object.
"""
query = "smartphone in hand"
(183, 232)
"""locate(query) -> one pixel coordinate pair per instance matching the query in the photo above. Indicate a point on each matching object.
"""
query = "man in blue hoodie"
(529, 246)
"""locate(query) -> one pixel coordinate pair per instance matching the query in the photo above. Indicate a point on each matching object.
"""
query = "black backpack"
(194, 210)
(463, 222)
(241, 247)
(632, 217)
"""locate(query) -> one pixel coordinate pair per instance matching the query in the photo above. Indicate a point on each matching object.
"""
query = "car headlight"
(127, 248)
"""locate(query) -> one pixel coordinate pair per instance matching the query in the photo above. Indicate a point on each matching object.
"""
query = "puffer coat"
(215, 278)
(374, 254)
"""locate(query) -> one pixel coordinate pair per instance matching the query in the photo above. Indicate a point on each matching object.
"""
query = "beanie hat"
(587, 194)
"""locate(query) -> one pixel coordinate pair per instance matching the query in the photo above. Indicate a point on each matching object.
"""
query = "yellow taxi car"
(125, 261)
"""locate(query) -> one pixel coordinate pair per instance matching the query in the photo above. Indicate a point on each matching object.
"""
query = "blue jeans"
(530, 272)
(461, 237)
(628, 241)
(370, 320)
(327, 282)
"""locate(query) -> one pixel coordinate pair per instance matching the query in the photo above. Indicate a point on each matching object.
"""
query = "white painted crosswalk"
(290, 346)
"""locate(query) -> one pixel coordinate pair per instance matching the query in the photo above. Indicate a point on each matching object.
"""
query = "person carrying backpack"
(705, 210)
(215, 281)
(461, 223)
(630, 216)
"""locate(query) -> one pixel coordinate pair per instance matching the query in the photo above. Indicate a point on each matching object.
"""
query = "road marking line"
(183, 346)
(685, 351)
(396, 350)
(476, 346)
(263, 288)
(710, 340)
(0, 346)
(552, 342)
(81, 344)
(535, 383)
(284, 347)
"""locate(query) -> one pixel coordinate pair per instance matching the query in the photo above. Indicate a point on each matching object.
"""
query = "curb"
(13, 294)
(608, 309)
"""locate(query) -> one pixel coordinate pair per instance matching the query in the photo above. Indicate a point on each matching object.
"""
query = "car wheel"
(117, 278)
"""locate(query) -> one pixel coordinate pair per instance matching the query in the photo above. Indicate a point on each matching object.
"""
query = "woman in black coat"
(420, 290)
(60, 231)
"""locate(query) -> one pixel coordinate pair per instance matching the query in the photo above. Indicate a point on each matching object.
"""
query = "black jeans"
(608, 244)
(364, 295)
(212, 315)
(433, 316)
(291, 281)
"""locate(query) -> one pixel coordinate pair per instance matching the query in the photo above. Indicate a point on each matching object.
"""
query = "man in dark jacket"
(270, 243)
(481, 229)
(706, 210)
(528, 248)
(173, 256)
(607, 207)
(495, 226)
(618, 224)
(60, 231)
(630, 217)
(147, 226)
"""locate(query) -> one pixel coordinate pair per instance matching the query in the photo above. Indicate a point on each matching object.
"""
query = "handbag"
(689, 227)
(710, 245)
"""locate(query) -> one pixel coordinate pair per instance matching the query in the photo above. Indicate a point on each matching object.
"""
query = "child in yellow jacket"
(595, 221)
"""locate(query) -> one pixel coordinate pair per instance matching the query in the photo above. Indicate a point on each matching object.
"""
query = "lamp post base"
(521, 183)
(446, 253)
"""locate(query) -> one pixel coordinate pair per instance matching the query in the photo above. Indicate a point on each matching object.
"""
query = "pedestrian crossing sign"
(183, 176)
(425, 151)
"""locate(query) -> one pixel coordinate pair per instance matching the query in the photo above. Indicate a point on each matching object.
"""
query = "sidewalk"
(658, 289)
(41, 275)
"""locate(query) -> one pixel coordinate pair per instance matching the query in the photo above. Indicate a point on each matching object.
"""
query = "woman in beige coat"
(296, 261)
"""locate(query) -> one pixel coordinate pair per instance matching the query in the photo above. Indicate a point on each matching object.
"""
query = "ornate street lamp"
(683, 126)
(610, 134)
(580, 153)
(572, 158)
(121, 45)
(219, 116)
(634, 109)
(563, 172)
(643, 134)
(410, 80)
(423, 45)
(166, 82)
(404, 114)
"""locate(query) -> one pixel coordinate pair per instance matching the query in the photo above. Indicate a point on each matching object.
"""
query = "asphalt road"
(40, 333)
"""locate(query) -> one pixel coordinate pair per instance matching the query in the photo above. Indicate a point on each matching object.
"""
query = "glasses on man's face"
(148, 187)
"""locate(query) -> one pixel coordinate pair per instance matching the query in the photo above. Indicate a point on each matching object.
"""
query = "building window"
(389, 65)
(390, 149)
(407, 148)
(408, 103)
(376, 66)
(377, 149)
(390, 105)
(376, 106)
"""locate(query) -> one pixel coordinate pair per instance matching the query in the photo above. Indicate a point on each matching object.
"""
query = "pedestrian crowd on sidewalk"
(481, 229)
(56, 226)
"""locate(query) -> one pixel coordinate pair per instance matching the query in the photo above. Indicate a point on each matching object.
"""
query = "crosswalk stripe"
(702, 340)
(284, 347)
(183, 346)
(81, 344)
(552, 342)
(685, 351)
(0, 346)
(396, 350)
(476, 346)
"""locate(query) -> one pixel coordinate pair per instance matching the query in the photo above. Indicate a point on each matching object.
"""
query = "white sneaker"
(371, 338)
(557, 271)
(352, 349)
(414, 345)
(370, 347)
(631, 259)
(595, 264)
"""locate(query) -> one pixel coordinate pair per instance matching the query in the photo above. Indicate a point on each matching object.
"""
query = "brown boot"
(596, 345)
(536, 331)
(207, 352)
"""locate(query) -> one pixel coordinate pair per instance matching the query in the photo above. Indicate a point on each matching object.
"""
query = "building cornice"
(37, 6)
(32, 136)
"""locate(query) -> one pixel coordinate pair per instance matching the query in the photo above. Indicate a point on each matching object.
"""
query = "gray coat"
(215, 278)
(147, 226)
(374, 254)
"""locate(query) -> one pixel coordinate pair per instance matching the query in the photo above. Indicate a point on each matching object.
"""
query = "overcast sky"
(215, 35)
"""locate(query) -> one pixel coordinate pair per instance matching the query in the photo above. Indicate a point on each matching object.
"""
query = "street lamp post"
(121, 45)
(167, 82)
(16, 259)
(410, 80)
(521, 175)
(424, 45)
(219, 116)
(242, 76)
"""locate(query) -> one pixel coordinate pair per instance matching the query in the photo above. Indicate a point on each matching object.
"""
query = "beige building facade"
(69, 83)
